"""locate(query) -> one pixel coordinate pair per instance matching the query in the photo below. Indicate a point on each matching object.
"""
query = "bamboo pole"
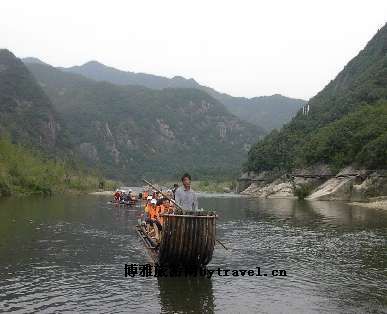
(171, 200)
(222, 244)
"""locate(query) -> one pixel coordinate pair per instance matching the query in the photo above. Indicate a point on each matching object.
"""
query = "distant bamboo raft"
(187, 239)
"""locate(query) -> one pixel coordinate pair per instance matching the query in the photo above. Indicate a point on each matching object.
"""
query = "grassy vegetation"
(302, 191)
(23, 172)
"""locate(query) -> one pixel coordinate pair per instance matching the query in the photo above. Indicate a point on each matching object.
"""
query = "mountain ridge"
(265, 111)
(135, 131)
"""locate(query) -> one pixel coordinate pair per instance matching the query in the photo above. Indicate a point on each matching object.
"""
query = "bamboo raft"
(186, 240)
(131, 203)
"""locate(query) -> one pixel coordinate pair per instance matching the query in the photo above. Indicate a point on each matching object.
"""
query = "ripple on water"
(74, 260)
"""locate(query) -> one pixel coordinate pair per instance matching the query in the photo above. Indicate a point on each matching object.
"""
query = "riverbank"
(105, 193)
(376, 203)
(24, 172)
(321, 184)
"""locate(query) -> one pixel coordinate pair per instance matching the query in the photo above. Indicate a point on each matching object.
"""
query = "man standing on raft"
(185, 196)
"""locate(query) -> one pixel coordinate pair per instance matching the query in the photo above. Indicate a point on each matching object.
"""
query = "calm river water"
(67, 254)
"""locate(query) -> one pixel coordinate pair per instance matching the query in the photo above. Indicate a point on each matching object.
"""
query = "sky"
(243, 48)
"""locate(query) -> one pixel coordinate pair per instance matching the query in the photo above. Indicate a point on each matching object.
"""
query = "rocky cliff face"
(352, 185)
(349, 184)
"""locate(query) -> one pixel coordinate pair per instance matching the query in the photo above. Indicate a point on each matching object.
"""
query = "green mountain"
(133, 131)
(100, 72)
(33, 60)
(26, 113)
(35, 150)
(344, 124)
(268, 112)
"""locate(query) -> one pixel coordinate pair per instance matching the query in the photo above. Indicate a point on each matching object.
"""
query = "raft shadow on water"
(179, 293)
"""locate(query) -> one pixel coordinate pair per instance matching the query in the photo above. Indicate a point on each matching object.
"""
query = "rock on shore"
(276, 189)
(377, 204)
(350, 184)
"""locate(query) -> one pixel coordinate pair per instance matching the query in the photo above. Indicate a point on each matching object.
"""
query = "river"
(67, 254)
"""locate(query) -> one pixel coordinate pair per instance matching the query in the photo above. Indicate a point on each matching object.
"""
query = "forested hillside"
(36, 154)
(133, 131)
(344, 124)
(26, 113)
(267, 111)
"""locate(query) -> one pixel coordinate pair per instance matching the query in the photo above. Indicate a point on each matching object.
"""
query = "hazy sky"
(244, 48)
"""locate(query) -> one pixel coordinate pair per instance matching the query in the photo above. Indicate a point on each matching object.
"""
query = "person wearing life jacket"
(172, 206)
(126, 198)
(132, 198)
(163, 208)
(152, 219)
(159, 209)
(146, 211)
(167, 206)
(117, 197)
(147, 205)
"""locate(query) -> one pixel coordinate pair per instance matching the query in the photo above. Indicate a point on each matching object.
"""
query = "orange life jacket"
(160, 210)
(117, 195)
(166, 210)
(152, 212)
(157, 212)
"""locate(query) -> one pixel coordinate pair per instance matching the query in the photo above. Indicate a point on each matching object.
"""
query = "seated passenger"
(169, 194)
(172, 206)
(152, 219)
(117, 196)
(147, 204)
(167, 206)
(145, 195)
(163, 208)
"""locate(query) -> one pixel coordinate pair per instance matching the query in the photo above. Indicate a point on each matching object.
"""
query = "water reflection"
(335, 256)
(186, 295)
(307, 213)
